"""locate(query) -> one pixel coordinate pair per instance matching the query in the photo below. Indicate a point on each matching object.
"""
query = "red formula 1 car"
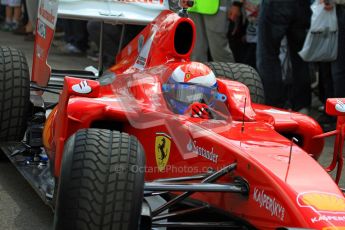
(132, 149)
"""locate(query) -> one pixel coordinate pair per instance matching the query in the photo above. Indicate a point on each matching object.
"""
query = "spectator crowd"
(265, 34)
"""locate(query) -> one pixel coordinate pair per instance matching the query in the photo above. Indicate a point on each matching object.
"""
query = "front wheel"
(101, 183)
(14, 94)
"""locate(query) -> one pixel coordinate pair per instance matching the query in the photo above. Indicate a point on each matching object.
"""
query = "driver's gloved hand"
(200, 110)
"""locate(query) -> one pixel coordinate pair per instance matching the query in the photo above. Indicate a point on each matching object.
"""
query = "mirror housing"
(335, 106)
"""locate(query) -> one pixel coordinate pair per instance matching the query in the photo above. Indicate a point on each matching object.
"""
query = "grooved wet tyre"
(241, 73)
(101, 183)
(14, 94)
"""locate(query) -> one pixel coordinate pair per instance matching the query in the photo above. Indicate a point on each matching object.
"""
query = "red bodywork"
(287, 185)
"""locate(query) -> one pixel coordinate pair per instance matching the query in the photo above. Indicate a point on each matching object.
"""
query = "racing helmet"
(189, 83)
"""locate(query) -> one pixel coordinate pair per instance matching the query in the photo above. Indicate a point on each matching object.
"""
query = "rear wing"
(138, 12)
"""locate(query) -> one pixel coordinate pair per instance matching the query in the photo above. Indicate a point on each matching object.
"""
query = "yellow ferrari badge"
(162, 150)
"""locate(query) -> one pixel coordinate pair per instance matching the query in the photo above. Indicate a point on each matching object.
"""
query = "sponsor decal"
(140, 63)
(192, 146)
(269, 203)
(276, 111)
(41, 29)
(129, 50)
(340, 106)
(108, 99)
(260, 130)
(39, 51)
(82, 88)
(282, 158)
(141, 42)
(327, 218)
(322, 202)
(328, 207)
(334, 228)
(162, 150)
(47, 12)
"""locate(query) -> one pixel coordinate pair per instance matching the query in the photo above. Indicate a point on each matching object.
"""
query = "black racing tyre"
(241, 73)
(14, 94)
(101, 183)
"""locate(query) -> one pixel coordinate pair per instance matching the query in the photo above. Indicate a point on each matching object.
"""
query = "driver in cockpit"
(192, 89)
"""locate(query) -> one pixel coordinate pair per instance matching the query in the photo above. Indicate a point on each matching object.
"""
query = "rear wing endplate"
(138, 12)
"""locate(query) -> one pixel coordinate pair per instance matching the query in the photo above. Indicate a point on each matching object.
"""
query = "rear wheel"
(241, 73)
(14, 94)
(101, 183)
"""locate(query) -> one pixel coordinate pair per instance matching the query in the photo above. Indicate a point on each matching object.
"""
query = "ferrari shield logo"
(162, 150)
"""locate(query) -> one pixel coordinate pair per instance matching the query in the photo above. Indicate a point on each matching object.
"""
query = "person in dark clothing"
(76, 36)
(338, 66)
(2, 13)
(111, 38)
(279, 18)
(243, 30)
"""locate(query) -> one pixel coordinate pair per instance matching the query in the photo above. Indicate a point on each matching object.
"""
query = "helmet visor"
(189, 93)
